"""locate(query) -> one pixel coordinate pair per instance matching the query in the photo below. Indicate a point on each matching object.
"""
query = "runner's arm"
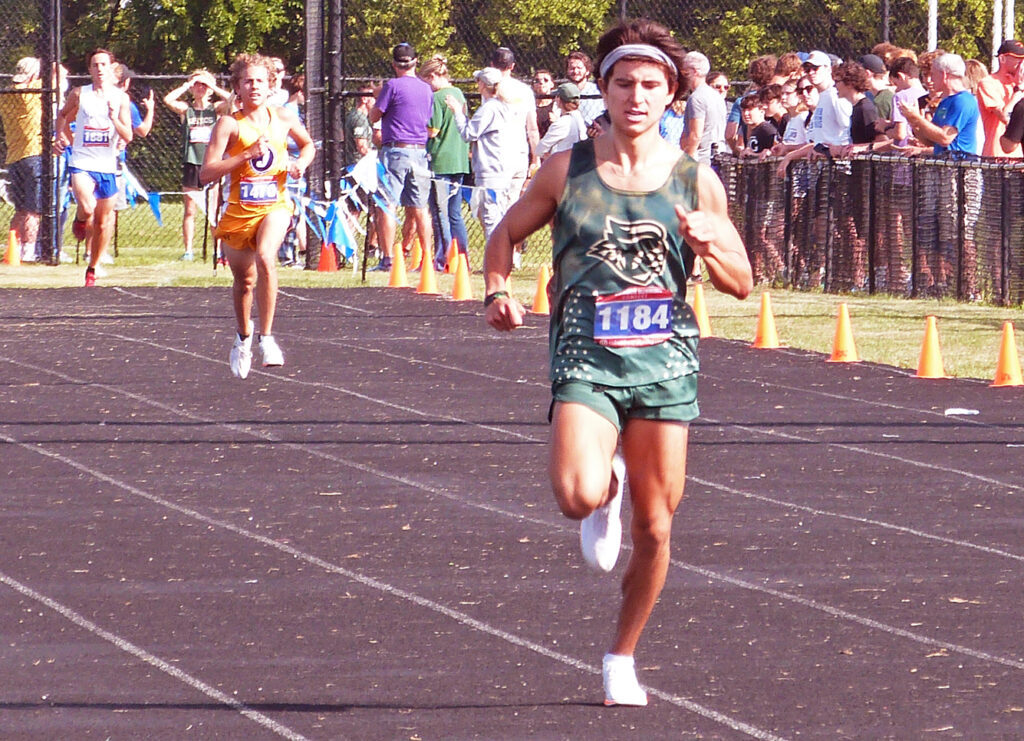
(307, 150)
(713, 238)
(122, 120)
(62, 127)
(532, 211)
(214, 165)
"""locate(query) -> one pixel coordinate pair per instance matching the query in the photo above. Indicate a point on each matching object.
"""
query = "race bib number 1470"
(636, 317)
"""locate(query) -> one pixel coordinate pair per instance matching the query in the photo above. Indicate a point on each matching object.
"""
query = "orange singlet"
(258, 186)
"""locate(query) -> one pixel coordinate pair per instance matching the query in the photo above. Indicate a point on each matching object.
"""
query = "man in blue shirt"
(953, 130)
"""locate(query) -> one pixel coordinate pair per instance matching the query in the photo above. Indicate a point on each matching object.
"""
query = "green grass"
(886, 330)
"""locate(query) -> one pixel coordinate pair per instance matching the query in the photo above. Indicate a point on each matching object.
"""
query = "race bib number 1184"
(636, 317)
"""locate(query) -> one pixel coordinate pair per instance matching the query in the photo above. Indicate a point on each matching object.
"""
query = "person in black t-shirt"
(762, 134)
(852, 83)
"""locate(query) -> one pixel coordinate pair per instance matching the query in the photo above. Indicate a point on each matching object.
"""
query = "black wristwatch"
(490, 298)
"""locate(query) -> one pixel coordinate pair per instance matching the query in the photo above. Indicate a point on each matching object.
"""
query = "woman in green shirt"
(449, 161)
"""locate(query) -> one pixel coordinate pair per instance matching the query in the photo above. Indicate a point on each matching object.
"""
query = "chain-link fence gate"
(29, 43)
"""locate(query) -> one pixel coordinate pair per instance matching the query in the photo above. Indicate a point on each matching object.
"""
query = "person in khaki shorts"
(250, 147)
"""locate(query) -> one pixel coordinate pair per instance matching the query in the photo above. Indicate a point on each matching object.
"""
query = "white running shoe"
(271, 353)
(241, 355)
(620, 684)
(601, 530)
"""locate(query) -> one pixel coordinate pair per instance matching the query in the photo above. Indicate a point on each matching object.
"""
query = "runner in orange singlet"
(250, 147)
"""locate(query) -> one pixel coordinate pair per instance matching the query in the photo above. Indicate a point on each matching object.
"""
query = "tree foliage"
(163, 36)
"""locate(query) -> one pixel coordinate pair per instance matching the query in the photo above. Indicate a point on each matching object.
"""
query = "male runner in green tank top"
(631, 211)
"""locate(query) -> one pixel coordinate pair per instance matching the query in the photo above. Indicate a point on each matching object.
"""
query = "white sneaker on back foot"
(620, 683)
(601, 530)
(271, 353)
(241, 355)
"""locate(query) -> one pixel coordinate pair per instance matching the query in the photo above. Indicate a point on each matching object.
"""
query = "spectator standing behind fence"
(705, 115)
(279, 94)
(997, 94)
(523, 147)
(142, 123)
(449, 160)
(404, 106)
(21, 113)
(250, 147)
(569, 127)
(102, 119)
(952, 130)
(294, 244)
(493, 132)
(853, 81)
(761, 71)
(880, 89)
(543, 84)
(579, 69)
(909, 90)
(197, 120)
(830, 124)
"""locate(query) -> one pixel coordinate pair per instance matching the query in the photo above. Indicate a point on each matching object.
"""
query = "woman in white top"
(568, 128)
(490, 132)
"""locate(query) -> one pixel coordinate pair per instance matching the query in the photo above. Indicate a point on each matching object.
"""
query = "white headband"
(636, 50)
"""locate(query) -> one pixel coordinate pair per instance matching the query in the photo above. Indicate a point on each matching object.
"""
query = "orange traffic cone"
(541, 305)
(930, 363)
(843, 349)
(451, 262)
(1008, 368)
(428, 278)
(416, 257)
(397, 279)
(328, 262)
(766, 338)
(462, 291)
(700, 311)
(13, 256)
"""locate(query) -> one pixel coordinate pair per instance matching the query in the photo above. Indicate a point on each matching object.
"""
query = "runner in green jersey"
(630, 213)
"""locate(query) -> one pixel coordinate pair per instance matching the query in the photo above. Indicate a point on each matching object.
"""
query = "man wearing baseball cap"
(22, 119)
(997, 94)
(404, 106)
(830, 122)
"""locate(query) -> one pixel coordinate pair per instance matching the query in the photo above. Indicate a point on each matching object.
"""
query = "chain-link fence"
(29, 40)
(882, 224)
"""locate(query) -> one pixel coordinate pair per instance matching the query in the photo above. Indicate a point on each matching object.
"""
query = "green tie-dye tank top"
(619, 313)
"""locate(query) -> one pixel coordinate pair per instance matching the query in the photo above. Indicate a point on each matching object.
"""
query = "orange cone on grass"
(328, 262)
(541, 304)
(1008, 371)
(766, 338)
(428, 278)
(13, 256)
(397, 278)
(451, 259)
(700, 311)
(929, 365)
(462, 291)
(843, 349)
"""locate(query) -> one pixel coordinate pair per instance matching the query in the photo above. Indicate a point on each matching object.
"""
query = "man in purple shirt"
(404, 105)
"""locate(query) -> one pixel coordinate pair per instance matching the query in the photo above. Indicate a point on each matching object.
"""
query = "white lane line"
(324, 385)
(367, 581)
(555, 527)
(875, 453)
(155, 661)
(853, 617)
(855, 518)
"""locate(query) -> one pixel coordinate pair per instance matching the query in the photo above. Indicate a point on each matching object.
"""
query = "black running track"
(362, 544)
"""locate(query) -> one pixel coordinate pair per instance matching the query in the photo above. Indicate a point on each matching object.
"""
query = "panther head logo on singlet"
(635, 250)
